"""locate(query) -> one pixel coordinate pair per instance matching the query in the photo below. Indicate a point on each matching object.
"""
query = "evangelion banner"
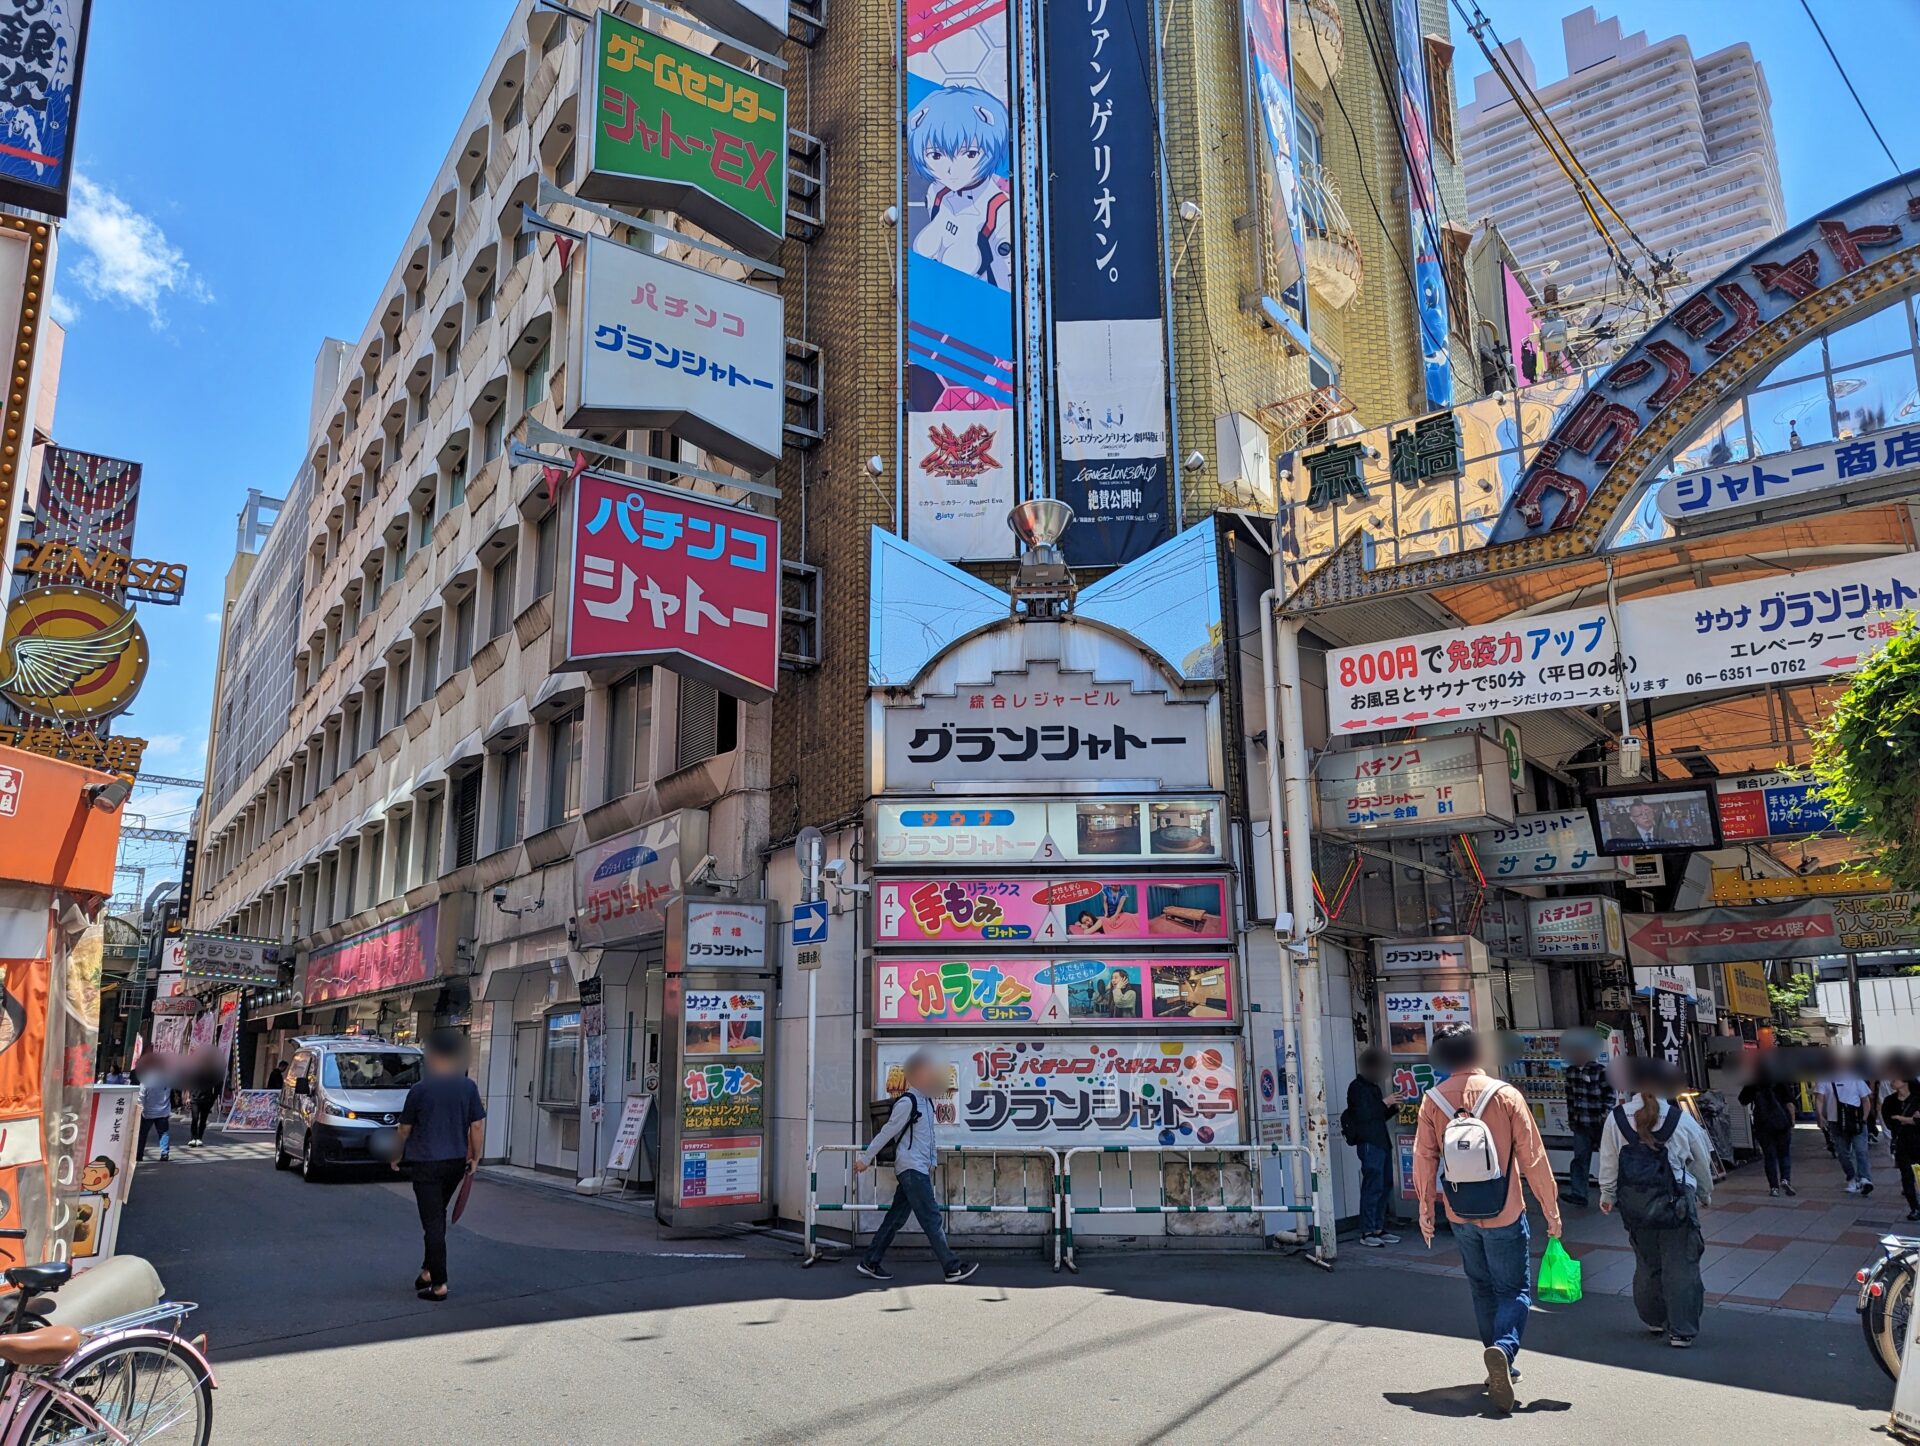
(960, 261)
(1074, 991)
(1270, 68)
(1025, 910)
(1063, 1092)
(1105, 285)
(672, 128)
(663, 577)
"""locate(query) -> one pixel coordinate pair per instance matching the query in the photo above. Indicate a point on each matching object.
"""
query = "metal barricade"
(964, 1205)
(1197, 1154)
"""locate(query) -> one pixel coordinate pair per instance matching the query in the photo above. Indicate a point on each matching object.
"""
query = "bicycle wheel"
(1885, 1319)
(149, 1390)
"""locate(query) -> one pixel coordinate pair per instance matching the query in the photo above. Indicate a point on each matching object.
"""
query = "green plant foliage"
(1867, 756)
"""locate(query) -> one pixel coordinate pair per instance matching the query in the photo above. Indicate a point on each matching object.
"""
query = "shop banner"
(723, 1171)
(724, 935)
(1061, 992)
(958, 232)
(1414, 1018)
(1769, 805)
(170, 1033)
(1020, 910)
(240, 961)
(1778, 629)
(623, 885)
(1105, 281)
(1044, 721)
(1016, 831)
(1539, 847)
(722, 1096)
(1270, 76)
(725, 1022)
(1587, 928)
(1065, 1092)
(664, 345)
(1672, 1018)
(676, 129)
(1422, 786)
(593, 1029)
(665, 578)
(1745, 986)
(1856, 924)
(43, 46)
(1429, 278)
(392, 955)
(1870, 457)
(626, 1135)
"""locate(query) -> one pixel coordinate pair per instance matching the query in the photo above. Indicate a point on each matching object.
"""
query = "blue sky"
(248, 181)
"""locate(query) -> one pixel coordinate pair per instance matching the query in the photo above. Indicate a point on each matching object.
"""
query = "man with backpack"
(907, 1143)
(1656, 1168)
(1475, 1142)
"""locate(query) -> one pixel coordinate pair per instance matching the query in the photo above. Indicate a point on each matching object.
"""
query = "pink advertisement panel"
(1058, 992)
(1026, 911)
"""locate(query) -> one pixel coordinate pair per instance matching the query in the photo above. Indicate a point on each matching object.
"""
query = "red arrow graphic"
(1417, 717)
(1385, 719)
(1445, 712)
(1839, 662)
(1354, 723)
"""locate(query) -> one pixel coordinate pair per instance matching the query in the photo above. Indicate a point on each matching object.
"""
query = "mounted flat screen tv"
(1655, 820)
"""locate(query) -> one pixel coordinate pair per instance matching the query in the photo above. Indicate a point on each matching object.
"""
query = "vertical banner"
(42, 45)
(1423, 202)
(1109, 335)
(1270, 77)
(960, 257)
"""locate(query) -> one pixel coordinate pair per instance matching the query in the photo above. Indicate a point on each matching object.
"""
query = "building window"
(429, 663)
(423, 522)
(500, 603)
(402, 851)
(450, 358)
(629, 733)
(430, 829)
(556, 36)
(446, 244)
(525, 242)
(546, 553)
(376, 710)
(709, 724)
(533, 389)
(516, 112)
(402, 687)
(511, 815)
(462, 633)
(563, 168)
(376, 886)
(494, 439)
(457, 482)
(420, 406)
(466, 818)
(563, 770)
(477, 187)
(483, 304)
(350, 865)
(560, 1058)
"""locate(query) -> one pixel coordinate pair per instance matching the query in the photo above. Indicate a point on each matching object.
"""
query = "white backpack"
(1471, 1171)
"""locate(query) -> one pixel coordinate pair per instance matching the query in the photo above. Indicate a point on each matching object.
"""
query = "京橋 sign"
(670, 127)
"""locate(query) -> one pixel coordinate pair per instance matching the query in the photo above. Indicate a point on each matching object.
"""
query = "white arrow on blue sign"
(810, 922)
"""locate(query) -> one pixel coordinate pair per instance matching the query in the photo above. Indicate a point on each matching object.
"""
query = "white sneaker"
(1387, 1237)
(1853, 1187)
(1372, 1242)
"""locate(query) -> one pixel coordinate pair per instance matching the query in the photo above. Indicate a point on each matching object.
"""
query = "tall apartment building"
(1681, 144)
(421, 778)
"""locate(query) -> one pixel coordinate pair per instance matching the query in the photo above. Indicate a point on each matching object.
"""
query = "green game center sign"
(671, 128)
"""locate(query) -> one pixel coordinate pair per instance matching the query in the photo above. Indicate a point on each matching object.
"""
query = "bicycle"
(1886, 1299)
(130, 1379)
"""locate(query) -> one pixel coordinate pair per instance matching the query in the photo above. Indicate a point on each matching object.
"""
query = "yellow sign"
(1746, 989)
(63, 562)
(1730, 887)
(85, 747)
(71, 654)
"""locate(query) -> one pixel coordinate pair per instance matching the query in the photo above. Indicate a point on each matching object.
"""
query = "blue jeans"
(915, 1194)
(1581, 1170)
(150, 1125)
(1499, 1266)
(1854, 1161)
(1373, 1187)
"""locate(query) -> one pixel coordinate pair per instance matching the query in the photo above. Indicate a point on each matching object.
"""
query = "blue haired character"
(957, 138)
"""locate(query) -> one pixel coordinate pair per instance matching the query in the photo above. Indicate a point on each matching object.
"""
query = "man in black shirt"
(442, 1130)
(1364, 1125)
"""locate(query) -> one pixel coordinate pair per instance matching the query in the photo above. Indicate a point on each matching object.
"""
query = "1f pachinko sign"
(959, 239)
(1079, 1091)
(1100, 911)
(1061, 992)
(666, 577)
(669, 127)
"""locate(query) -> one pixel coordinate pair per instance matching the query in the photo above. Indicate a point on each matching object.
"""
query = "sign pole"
(1853, 1001)
(809, 849)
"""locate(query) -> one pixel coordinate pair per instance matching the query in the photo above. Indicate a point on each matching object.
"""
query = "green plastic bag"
(1559, 1275)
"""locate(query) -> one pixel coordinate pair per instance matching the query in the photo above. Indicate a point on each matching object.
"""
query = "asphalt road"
(570, 1322)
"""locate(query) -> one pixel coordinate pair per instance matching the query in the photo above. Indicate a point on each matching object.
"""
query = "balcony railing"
(1334, 265)
(1319, 39)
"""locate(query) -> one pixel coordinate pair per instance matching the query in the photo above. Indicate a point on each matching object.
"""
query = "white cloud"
(125, 256)
(166, 743)
(211, 617)
(64, 311)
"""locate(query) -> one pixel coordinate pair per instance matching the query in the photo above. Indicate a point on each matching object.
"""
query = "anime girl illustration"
(958, 139)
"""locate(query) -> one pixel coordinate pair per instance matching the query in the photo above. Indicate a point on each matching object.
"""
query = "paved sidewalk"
(1763, 1252)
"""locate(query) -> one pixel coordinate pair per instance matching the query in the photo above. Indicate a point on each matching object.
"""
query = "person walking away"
(907, 1140)
(277, 1076)
(1901, 1111)
(442, 1131)
(156, 1110)
(1475, 1142)
(1773, 1114)
(1656, 1168)
(201, 1098)
(1589, 1098)
(1363, 1124)
(1845, 1105)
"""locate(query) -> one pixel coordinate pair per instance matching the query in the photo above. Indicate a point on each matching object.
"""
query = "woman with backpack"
(1772, 1105)
(1900, 1111)
(1656, 1168)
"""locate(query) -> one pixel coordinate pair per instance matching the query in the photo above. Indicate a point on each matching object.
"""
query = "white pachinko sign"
(664, 345)
(1779, 629)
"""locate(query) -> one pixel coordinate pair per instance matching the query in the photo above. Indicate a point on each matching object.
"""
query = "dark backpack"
(1350, 1125)
(1646, 1192)
(878, 1113)
(1770, 1112)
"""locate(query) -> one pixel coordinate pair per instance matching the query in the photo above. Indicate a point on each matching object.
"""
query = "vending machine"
(1422, 985)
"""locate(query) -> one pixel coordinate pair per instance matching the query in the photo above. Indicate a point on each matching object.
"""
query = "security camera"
(891, 215)
(108, 796)
(834, 870)
(1195, 461)
(1189, 211)
(876, 466)
(702, 871)
(499, 896)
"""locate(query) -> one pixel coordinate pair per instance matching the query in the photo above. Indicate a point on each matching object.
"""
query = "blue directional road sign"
(810, 922)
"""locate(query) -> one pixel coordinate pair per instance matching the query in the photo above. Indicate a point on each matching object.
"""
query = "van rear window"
(371, 1071)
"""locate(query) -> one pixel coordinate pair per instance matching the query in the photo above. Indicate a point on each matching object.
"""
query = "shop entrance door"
(525, 1126)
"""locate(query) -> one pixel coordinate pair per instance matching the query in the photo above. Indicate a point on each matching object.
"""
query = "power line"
(1848, 82)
